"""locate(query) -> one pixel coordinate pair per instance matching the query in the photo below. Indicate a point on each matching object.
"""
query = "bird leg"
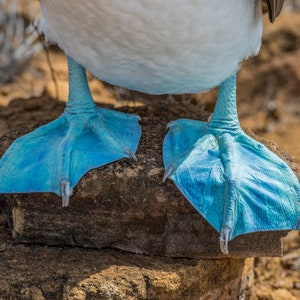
(237, 184)
(54, 157)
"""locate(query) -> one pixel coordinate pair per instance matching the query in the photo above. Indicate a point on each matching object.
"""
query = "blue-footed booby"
(160, 47)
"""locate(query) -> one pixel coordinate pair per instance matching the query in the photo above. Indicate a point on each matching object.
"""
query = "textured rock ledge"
(125, 205)
(40, 272)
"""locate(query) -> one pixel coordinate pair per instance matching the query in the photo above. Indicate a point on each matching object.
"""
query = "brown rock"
(35, 272)
(285, 283)
(282, 294)
(41, 272)
(126, 206)
(291, 260)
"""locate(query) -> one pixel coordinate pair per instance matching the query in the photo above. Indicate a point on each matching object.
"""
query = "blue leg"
(54, 157)
(234, 182)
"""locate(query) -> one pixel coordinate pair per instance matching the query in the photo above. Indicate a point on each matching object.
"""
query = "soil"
(269, 96)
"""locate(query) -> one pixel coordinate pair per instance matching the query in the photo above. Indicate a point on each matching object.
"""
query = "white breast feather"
(156, 46)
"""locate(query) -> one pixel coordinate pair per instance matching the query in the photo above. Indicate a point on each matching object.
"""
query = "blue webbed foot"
(237, 184)
(54, 157)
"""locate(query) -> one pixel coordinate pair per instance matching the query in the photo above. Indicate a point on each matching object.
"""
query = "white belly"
(156, 46)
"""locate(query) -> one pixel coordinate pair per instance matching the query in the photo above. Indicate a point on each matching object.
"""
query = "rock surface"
(112, 275)
(278, 278)
(126, 206)
(41, 272)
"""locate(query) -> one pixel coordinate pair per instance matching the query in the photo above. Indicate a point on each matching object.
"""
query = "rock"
(261, 292)
(42, 272)
(126, 206)
(247, 279)
(282, 294)
(291, 242)
(292, 260)
(276, 278)
(266, 293)
(285, 283)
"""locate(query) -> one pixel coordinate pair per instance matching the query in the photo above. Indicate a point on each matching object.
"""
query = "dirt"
(269, 96)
